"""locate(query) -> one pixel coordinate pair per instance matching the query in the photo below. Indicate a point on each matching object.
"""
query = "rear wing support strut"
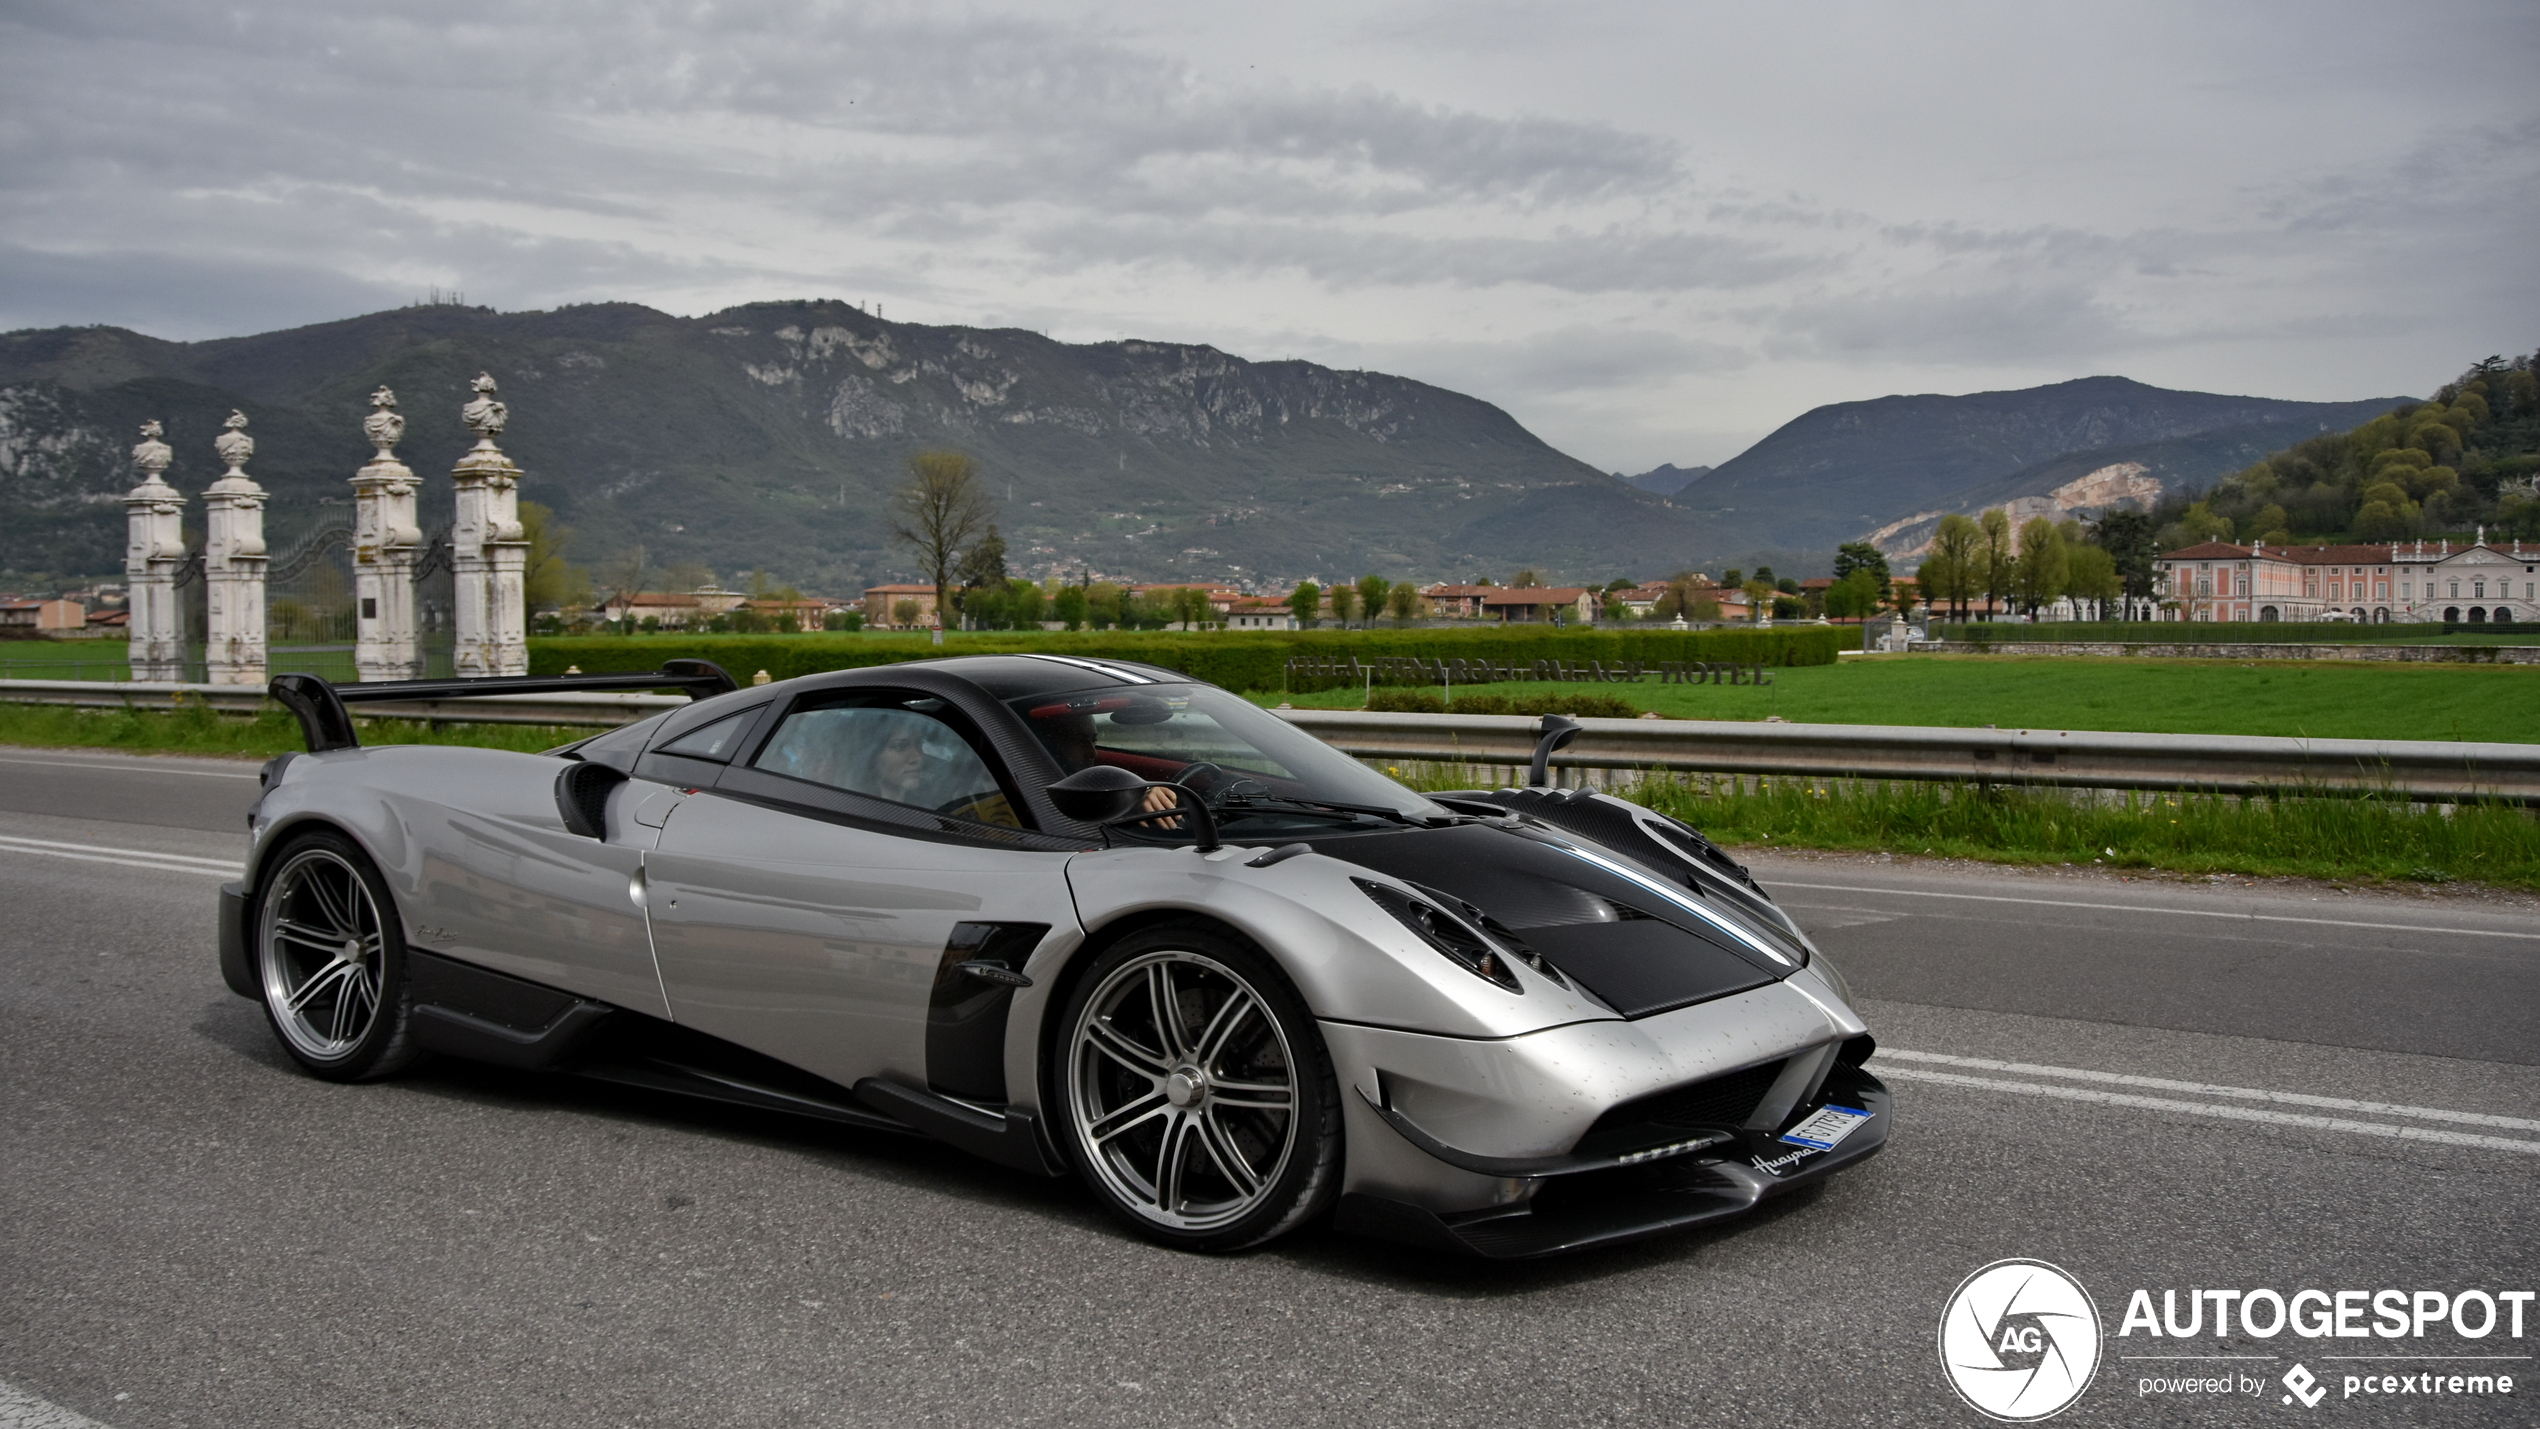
(326, 724)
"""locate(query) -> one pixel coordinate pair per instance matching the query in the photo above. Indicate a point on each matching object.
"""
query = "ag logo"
(2019, 1340)
(2305, 1386)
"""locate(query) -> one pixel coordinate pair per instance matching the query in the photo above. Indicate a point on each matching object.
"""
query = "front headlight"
(1445, 932)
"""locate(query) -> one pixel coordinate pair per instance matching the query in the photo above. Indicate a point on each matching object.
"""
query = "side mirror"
(1555, 733)
(1097, 793)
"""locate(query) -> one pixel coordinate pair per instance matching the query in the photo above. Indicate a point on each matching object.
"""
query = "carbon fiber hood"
(1640, 942)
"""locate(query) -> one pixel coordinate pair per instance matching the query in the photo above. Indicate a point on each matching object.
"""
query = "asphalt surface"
(2150, 1084)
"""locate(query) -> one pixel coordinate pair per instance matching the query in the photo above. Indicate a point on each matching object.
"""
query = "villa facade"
(2399, 583)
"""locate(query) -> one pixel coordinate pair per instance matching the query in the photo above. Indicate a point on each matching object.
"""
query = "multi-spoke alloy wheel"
(331, 961)
(1198, 1096)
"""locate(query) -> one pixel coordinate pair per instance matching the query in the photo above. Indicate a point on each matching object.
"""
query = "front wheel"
(1194, 1093)
(331, 961)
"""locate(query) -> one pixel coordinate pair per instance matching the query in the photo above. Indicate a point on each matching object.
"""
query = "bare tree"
(622, 576)
(939, 513)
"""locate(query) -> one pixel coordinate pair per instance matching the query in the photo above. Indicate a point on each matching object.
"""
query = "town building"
(2379, 584)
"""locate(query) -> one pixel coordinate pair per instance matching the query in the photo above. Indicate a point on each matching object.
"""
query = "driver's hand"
(1159, 799)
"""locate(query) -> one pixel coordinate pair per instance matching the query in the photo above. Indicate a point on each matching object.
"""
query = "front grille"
(1725, 1101)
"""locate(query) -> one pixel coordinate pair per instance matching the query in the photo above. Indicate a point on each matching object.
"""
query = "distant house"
(1520, 605)
(1221, 598)
(1259, 612)
(808, 611)
(1642, 599)
(1457, 602)
(882, 607)
(44, 615)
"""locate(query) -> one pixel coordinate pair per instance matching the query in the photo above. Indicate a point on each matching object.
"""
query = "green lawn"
(2321, 700)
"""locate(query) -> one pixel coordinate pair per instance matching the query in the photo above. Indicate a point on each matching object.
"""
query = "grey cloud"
(1610, 261)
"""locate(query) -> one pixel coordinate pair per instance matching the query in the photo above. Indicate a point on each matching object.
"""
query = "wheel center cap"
(1184, 1086)
(352, 951)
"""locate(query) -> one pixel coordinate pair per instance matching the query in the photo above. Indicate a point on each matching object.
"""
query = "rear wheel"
(331, 962)
(1195, 1094)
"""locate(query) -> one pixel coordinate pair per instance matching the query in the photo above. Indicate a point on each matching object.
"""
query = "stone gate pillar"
(386, 540)
(154, 548)
(234, 562)
(487, 547)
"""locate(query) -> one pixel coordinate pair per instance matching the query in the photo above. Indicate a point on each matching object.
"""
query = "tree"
(547, 580)
(1103, 605)
(2128, 536)
(1855, 595)
(622, 576)
(1997, 563)
(1525, 579)
(1759, 595)
(2091, 575)
(1862, 556)
(1403, 603)
(1950, 573)
(1372, 590)
(1344, 602)
(1303, 602)
(939, 512)
(2038, 572)
(983, 569)
(1069, 607)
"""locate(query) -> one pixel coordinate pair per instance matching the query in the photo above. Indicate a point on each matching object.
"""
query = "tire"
(330, 960)
(1213, 1127)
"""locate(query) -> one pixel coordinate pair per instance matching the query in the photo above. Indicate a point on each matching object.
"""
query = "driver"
(1073, 741)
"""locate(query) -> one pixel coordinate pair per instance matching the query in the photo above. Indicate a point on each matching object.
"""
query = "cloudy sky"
(1652, 231)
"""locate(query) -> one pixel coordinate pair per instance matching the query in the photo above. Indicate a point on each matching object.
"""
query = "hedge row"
(1237, 660)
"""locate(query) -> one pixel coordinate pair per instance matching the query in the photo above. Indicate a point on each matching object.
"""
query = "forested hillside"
(2428, 469)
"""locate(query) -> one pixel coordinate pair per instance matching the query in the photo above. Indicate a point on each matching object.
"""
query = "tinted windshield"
(1243, 758)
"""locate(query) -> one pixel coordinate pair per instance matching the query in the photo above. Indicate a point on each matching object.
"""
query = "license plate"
(1826, 1127)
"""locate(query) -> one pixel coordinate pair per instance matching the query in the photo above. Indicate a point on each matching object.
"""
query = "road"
(2148, 1084)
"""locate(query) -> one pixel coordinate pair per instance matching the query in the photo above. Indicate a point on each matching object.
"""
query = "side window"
(899, 747)
(714, 741)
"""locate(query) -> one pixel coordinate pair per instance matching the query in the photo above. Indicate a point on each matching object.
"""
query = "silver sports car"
(1074, 916)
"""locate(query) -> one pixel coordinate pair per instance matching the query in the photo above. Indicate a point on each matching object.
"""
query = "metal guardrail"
(2230, 764)
(557, 709)
(2421, 770)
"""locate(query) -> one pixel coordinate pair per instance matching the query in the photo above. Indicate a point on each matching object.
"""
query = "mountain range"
(771, 436)
(1889, 468)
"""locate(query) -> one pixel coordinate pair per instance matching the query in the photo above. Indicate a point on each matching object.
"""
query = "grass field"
(2316, 699)
(2352, 840)
(197, 730)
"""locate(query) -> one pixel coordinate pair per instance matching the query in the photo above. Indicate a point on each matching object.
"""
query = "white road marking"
(21, 1410)
(121, 768)
(125, 857)
(2233, 1113)
(2164, 1084)
(2175, 912)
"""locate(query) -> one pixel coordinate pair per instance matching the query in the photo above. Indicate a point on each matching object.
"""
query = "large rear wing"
(326, 724)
